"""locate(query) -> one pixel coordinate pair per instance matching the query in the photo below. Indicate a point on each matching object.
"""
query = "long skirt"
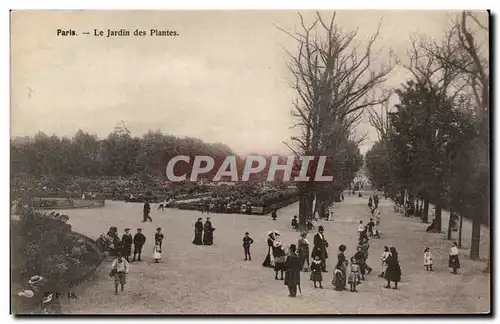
(339, 282)
(269, 261)
(454, 262)
(197, 238)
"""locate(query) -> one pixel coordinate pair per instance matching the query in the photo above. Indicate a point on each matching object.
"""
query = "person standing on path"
(428, 259)
(454, 261)
(159, 236)
(292, 274)
(303, 245)
(127, 243)
(393, 272)
(139, 241)
(198, 232)
(247, 241)
(385, 256)
(342, 264)
(119, 269)
(146, 211)
(208, 235)
(365, 245)
(320, 246)
(269, 260)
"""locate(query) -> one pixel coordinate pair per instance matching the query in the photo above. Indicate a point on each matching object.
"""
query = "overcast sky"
(223, 79)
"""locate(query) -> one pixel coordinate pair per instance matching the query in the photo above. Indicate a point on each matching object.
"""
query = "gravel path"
(215, 280)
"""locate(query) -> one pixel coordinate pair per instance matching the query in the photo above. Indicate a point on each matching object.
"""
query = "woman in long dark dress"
(208, 235)
(198, 231)
(393, 272)
(269, 261)
(340, 280)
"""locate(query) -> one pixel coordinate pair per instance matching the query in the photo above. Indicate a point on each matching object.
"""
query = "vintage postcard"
(327, 162)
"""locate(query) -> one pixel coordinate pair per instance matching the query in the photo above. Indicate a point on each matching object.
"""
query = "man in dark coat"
(127, 243)
(292, 273)
(320, 245)
(208, 235)
(198, 232)
(146, 211)
(159, 237)
(139, 240)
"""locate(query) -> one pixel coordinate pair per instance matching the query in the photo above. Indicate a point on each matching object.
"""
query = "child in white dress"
(157, 252)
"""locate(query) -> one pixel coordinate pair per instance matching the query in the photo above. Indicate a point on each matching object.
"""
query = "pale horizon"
(223, 79)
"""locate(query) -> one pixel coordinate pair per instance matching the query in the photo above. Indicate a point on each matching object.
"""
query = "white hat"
(35, 279)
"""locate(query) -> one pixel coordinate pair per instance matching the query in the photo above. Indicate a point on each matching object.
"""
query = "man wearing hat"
(292, 274)
(127, 244)
(139, 240)
(320, 245)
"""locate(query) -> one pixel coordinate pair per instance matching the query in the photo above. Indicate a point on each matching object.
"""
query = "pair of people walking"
(203, 233)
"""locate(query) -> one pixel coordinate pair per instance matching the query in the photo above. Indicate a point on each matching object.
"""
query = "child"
(428, 259)
(377, 217)
(316, 275)
(338, 280)
(247, 240)
(376, 232)
(157, 251)
(354, 275)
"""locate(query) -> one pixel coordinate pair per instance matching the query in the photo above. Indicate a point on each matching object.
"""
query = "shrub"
(42, 243)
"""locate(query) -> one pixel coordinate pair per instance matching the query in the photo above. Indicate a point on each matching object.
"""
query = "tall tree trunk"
(476, 237)
(425, 216)
(438, 218)
(302, 212)
(460, 231)
(450, 222)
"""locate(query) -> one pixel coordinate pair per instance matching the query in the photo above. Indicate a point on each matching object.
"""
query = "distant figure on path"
(139, 240)
(208, 235)
(295, 223)
(159, 236)
(247, 241)
(274, 215)
(157, 252)
(428, 259)
(146, 211)
(454, 261)
(127, 243)
(393, 272)
(320, 246)
(119, 269)
(431, 227)
(292, 274)
(198, 232)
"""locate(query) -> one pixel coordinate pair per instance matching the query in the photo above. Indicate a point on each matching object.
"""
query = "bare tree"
(335, 81)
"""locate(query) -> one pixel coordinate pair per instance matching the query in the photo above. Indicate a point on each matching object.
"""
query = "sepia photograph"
(250, 162)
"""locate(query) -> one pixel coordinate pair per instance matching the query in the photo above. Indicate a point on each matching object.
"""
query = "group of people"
(120, 265)
(203, 233)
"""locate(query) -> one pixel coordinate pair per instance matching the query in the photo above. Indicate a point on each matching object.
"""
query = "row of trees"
(120, 154)
(434, 144)
(335, 82)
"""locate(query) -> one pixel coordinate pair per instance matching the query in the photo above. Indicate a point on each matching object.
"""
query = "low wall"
(61, 203)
